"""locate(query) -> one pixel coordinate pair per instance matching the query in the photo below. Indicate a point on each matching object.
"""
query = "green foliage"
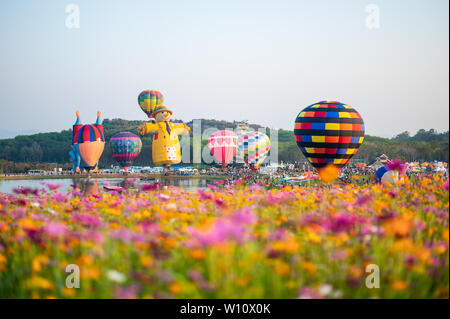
(54, 147)
(423, 136)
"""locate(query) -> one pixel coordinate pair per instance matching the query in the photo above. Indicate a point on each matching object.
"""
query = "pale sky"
(262, 61)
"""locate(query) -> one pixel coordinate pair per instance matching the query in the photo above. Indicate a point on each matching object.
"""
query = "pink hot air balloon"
(223, 145)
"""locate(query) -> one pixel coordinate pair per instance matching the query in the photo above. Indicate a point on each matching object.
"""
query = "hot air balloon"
(88, 143)
(241, 130)
(165, 146)
(391, 172)
(385, 175)
(150, 99)
(329, 132)
(125, 148)
(255, 146)
(223, 145)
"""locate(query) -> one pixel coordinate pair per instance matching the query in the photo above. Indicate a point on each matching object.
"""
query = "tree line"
(54, 147)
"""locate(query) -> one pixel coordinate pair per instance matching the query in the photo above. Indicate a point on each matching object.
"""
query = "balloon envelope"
(149, 99)
(384, 175)
(329, 132)
(125, 148)
(223, 145)
(255, 147)
(91, 143)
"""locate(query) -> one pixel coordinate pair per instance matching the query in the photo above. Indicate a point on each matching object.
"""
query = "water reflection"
(95, 186)
(86, 186)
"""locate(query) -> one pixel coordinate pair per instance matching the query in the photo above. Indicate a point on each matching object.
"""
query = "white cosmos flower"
(116, 276)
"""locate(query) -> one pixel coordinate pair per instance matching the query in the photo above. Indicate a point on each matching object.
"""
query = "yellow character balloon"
(165, 146)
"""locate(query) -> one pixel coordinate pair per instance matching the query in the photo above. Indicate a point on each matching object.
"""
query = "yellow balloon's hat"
(160, 108)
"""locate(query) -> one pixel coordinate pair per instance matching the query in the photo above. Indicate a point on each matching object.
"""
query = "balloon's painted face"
(163, 116)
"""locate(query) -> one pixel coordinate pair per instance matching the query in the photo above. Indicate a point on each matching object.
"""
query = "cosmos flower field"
(229, 241)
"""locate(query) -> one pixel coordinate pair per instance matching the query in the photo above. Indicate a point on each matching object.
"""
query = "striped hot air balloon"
(255, 146)
(329, 132)
(125, 148)
(90, 143)
(223, 145)
(148, 101)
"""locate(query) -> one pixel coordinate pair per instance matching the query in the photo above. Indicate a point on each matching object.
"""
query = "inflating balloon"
(329, 132)
(223, 145)
(149, 100)
(125, 148)
(385, 175)
(255, 146)
(391, 172)
(88, 143)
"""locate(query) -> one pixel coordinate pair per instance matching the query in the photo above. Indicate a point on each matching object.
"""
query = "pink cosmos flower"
(53, 186)
(60, 197)
(150, 187)
(309, 293)
(340, 223)
(203, 195)
(130, 292)
(87, 220)
(213, 188)
(230, 228)
(362, 200)
(397, 165)
(25, 191)
(55, 229)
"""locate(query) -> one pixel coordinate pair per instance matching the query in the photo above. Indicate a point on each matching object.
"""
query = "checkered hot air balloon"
(223, 145)
(125, 148)
(256, 146)
(149, 100)
(329, 132)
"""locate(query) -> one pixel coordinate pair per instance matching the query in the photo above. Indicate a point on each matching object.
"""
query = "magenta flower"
(230, 228)
(363, 200)
(309, 293)
(87, 220)
(244, 216)
(219, 202)
(204, 195)
(397, 165)
(130, 292)
(340, 223)
(94, 236)
(60, 197)
(25, 191)
(255, 187)
(392, 193)
(123, 235)
(445, 186)
(53, 186)
(150, 187)
(55, 229)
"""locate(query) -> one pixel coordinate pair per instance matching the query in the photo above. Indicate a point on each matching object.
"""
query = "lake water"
(95, 185)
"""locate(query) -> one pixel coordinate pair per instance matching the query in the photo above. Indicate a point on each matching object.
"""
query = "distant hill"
(4, 134)
(54, 147)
